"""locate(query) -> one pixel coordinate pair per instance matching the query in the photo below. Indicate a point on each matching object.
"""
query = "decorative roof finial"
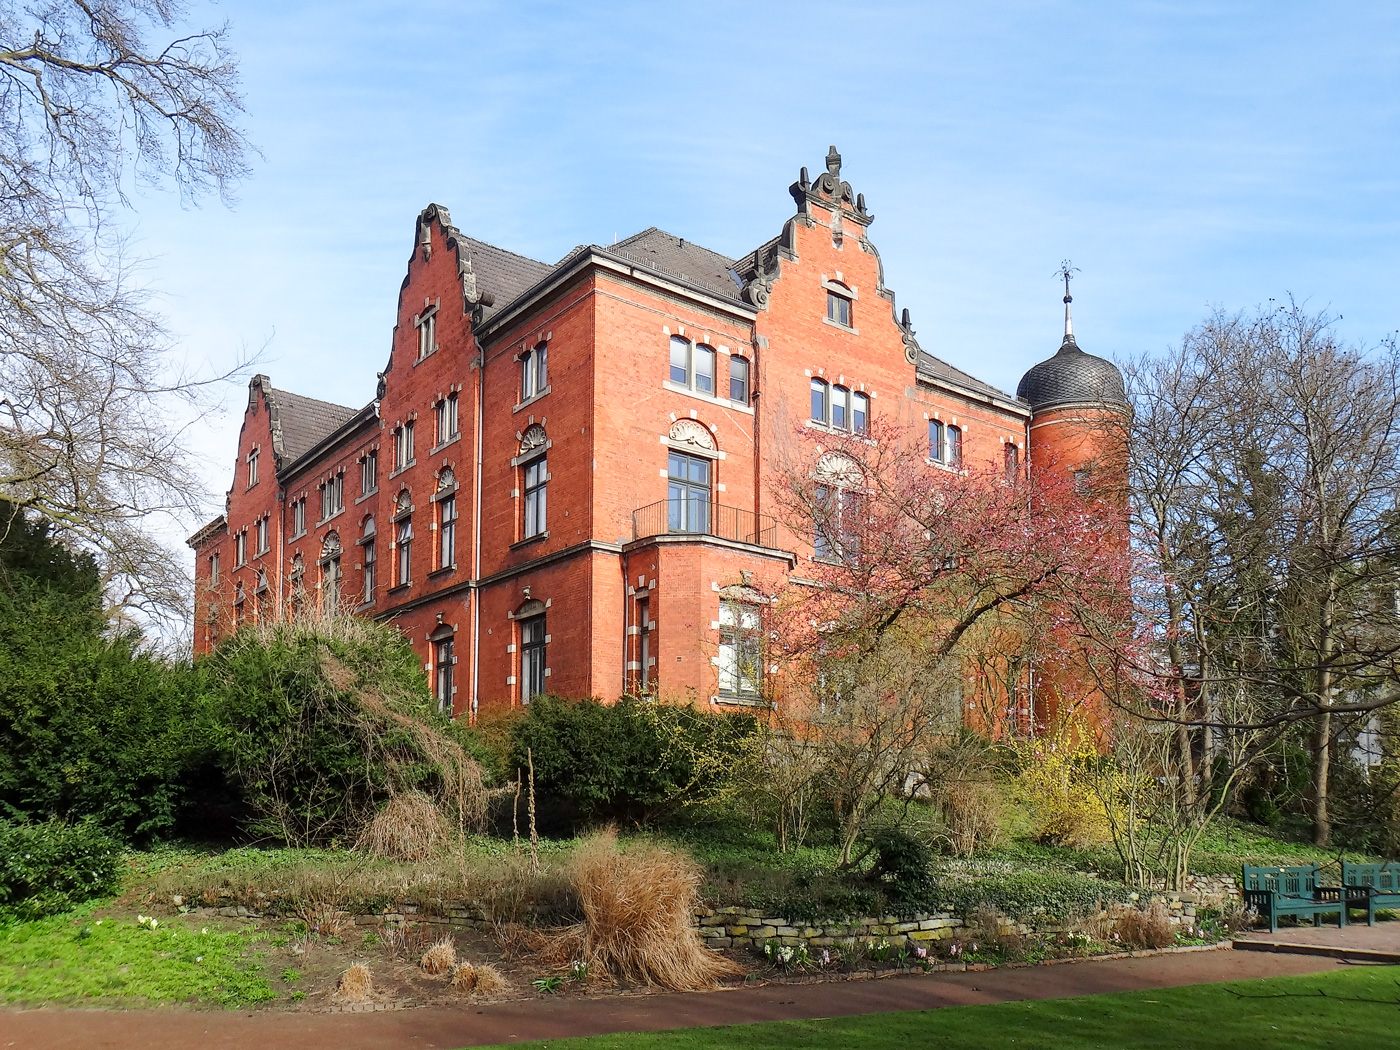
(1067, 271)
(833, 163)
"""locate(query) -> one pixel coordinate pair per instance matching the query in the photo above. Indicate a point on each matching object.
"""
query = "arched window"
(821, 401)
(836, 507)
(298, 580)
(370, 556)
(530, 618)
(936, 447)
(739, 380)
(838, 304)
(860, 414)
(955, 447)
(680, 360)
(262, 597)
(446, 499)
(444, 667)
(330, 572)
(840, 408)
(1012, 458)
(403, 539)
(705, 369)
(533, 464)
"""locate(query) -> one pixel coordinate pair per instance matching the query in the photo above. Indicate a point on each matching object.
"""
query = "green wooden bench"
(1371, 886)
(1273, 892)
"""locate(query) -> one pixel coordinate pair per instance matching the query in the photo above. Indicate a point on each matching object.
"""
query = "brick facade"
(626, 599)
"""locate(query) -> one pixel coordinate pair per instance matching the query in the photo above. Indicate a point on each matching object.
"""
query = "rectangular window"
(403, 445)
(532, 665)
(447, 532)
(427, 335)
(252, 468)
(935, 441)
(837, 514)
(332, 496)
(213, 568)
(369, 473)
(680, 360)
(534, 371)
(447, 419)
(330, 584)
(644, 675)
(740, 650)
(821, 394)
(370, 565)
(840, 406)
(443, 659)
(860, 414)
(739, 379)
(240, 547)
(705, 369)
(298, 516)
(536, 485)
(403, 536)
(262, 535)
(1012, 456)
(688, 493)
(838, 309)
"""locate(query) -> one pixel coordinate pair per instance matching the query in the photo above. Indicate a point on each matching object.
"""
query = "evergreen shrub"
(634, 760)
(49, 867)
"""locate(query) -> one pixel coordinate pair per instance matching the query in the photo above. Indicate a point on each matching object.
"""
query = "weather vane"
(1067, 271)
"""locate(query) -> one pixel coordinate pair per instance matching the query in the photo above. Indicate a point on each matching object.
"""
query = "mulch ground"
(466, 1024)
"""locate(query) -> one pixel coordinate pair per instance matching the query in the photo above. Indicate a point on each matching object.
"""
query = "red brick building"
(562, 482)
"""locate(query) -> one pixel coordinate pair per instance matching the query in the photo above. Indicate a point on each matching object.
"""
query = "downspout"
(476, 532)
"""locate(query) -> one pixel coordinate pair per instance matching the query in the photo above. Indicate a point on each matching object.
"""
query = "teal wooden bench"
(1273, 892)
(1371, 886)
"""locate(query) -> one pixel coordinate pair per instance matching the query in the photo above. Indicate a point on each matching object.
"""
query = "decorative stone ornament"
(689, 432)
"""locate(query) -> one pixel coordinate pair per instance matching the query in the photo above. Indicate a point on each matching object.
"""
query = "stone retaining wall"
(740, 927)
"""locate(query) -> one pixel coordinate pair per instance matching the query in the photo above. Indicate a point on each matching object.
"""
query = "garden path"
(545, 1018)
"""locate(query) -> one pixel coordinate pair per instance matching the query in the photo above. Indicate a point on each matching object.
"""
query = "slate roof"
(931, 367)
(303, 422)
(681, 258)
(504, 274)
(1071, 376)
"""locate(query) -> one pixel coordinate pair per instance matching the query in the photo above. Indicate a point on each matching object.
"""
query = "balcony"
(681, 517)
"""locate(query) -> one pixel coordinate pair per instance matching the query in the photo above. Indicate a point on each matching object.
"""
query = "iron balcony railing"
(673, 517)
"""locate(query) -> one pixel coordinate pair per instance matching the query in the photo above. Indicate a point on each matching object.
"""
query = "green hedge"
(50, 867)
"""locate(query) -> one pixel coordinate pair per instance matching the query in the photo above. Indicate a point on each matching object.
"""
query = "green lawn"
(1317, 1011)
(67, 959)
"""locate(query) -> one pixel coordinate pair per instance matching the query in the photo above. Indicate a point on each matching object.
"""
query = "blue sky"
(1184, 155)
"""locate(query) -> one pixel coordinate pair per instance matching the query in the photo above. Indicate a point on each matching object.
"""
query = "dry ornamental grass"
(356, 984)
(1149, 927)
(440, 958)
(409, 827)
(637, 909)
(479, 980)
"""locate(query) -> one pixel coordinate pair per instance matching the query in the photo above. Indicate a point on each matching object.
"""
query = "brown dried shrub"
(440, 957)
(638, 910)
(356, 984)
(972, 812)
(1149, 927)
(479, 980)
(409, 827)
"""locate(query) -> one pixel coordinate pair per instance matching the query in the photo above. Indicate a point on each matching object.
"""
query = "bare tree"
(1265, 476)
(96, 98)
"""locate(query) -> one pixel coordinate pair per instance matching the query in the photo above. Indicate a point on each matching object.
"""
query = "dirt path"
(441, 1029)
